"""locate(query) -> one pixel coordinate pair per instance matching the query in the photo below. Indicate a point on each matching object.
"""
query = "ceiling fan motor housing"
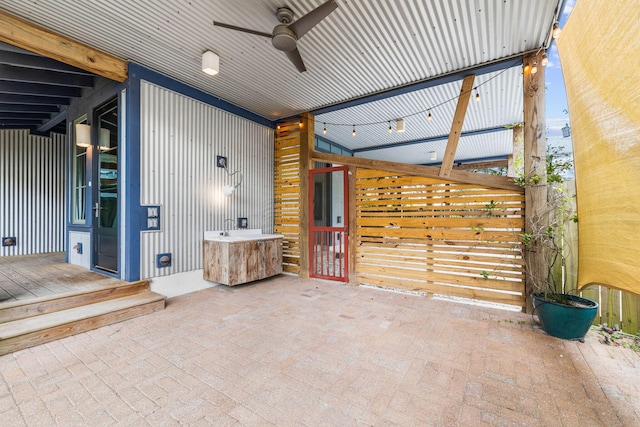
(283, 38)
(284, 15)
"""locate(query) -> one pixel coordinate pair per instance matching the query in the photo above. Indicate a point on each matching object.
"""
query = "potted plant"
(561, 314)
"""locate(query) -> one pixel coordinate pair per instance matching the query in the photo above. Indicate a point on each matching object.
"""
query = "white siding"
(180, 138)
(32, 192)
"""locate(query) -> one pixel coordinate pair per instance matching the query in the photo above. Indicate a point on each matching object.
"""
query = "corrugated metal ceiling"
(363, 47)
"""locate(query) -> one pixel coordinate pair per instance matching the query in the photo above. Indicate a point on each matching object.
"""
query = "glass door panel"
(105, 208)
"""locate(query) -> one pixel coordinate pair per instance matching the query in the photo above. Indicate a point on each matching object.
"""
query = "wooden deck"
(42, 275)
(42, 299)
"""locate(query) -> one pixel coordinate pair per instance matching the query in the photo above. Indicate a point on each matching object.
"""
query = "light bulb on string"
(429, 117)
(534, 69)
(477, 96)
(354, 131)
(545, 60)
(556, 30)
(390, 129)
(324, 131)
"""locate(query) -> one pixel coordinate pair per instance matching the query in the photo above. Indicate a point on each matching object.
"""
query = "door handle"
(96, 208)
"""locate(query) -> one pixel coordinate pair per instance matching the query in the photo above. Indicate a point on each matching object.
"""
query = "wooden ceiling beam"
(28, 108)
(456, 126)
(37, 62)
(34, 38)
(27, 75)
(465, 177)
(19, 88)
(12, 98)
(482, 165)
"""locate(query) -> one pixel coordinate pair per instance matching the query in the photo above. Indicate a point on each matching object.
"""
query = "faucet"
(233, 224)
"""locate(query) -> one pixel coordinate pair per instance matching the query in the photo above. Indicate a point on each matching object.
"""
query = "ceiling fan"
(285, 35)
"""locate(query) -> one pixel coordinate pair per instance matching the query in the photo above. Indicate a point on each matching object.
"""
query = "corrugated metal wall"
(180, 138)
(32, 187)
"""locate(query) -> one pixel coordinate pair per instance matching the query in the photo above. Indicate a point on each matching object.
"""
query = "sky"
(557, 110)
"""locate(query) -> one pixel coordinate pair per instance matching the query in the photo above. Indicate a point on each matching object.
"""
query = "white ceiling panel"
(492, 145)
(500, 104)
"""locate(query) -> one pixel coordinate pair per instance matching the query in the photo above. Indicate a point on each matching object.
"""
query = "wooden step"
(43, 305)
(28, 332)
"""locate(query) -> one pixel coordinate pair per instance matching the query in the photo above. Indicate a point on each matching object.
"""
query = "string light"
(400, 122)
(556, 30)
(324, 131)
(534, 69)
(545, 59)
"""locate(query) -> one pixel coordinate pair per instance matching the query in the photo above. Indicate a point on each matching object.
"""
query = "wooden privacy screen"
(287, 193)
(439, 237)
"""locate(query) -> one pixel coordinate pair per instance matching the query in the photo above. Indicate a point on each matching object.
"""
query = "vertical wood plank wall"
(439, 237)
(287, 193)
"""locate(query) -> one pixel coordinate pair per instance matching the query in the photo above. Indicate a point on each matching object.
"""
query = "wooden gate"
(328, 220)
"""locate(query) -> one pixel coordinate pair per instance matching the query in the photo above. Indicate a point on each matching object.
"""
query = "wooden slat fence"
(439, 237)
(616, 308)
(287, 193)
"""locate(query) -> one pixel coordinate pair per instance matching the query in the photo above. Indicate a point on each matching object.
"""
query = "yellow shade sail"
(600, 52)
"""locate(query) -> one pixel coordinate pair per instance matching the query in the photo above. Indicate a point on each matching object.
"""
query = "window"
(79, 178)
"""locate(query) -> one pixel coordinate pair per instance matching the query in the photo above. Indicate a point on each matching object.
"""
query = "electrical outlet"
(221, 161)
(163, 260)
(8, 241)
(242, 223)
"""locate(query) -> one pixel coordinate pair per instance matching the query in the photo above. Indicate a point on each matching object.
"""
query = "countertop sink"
(242, 256)
(239, 235)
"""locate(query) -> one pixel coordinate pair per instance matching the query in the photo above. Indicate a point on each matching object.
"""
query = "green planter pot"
(564, 321)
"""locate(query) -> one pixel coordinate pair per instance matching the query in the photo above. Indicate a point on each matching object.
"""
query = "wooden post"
(307, 138)
(456, 126)
(353, 226)
(516, 160)
(536, 268)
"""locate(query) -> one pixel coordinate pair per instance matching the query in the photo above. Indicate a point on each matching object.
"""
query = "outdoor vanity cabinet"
(234, 260)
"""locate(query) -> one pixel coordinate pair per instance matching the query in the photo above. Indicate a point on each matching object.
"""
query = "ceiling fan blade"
(244, 30)
(296, 59)
(311, 19)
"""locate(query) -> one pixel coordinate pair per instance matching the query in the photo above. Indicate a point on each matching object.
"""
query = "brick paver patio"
(288, 351)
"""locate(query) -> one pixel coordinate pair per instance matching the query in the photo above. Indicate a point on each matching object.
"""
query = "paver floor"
(288, 351)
